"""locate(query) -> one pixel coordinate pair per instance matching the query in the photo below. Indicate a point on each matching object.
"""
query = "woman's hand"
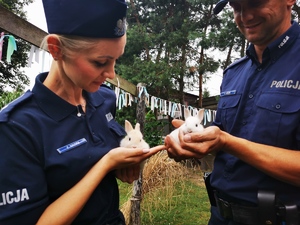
(128, 167)
(119, 158)
(128, 174)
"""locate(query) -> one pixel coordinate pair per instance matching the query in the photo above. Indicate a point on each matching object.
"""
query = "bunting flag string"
(34, 51)
(143, 90)
(34, 55)
(164, 107)
(117, 92)
(11, 46)
(1, 44)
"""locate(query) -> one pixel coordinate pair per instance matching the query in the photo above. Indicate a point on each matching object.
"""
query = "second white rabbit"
(191, 124)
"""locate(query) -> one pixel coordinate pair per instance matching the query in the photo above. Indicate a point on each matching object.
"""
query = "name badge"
(226, 93)
(72, 145)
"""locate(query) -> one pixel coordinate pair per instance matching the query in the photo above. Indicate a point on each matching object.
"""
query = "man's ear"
(54, 47)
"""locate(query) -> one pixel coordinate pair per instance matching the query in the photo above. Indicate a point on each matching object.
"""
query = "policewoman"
(59, 154)
(256, 133)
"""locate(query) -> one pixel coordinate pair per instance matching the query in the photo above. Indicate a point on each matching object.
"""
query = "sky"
(36, 16)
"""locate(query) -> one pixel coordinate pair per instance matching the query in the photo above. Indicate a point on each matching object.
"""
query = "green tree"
(6, 97)
(227, 39)
(296, 11)
(11, 74)
(166, 38)
(153, 128)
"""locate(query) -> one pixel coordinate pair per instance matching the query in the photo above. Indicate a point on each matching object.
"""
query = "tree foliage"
(6, 97)
(296, 11)
(167, 43)
(11, 74)
(176, 44)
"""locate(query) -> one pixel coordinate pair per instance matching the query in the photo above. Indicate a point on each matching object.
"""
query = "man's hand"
(195, 145)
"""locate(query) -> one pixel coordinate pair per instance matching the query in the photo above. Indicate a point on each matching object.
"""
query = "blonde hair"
(71, 45)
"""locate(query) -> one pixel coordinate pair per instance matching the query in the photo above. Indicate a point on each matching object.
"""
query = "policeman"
(256, 133)
(58, 154)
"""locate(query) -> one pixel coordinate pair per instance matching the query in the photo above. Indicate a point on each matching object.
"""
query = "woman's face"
(89, 69)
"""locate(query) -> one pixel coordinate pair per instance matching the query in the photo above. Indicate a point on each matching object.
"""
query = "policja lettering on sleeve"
(16, 196)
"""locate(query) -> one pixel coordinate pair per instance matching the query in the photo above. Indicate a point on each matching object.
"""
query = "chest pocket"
(279, 118)
(279, 102)
(227, 107)
(117, 130)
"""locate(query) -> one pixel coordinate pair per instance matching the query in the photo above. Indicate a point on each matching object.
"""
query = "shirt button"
(244, 123)
(278, 106)
(259, 69)
(251, 96)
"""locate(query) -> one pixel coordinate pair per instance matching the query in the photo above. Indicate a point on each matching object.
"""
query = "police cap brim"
(221, 4)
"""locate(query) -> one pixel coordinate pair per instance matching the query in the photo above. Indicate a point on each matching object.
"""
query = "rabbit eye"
(196, 125)
(129, 139)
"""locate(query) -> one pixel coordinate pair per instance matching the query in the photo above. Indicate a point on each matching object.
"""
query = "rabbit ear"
(137, 126)
(187, 113)
(201, 114)
(128, 126)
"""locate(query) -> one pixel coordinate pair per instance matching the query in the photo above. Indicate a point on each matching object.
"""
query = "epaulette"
(236, 63)
(6, 110)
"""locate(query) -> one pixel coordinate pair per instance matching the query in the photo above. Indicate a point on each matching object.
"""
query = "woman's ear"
(54, 47)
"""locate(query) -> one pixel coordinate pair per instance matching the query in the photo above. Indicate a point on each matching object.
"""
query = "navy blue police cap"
(87, 18)
(220, 5)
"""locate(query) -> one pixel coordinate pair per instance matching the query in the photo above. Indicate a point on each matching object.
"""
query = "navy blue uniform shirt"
(46, 148)
(261, 103)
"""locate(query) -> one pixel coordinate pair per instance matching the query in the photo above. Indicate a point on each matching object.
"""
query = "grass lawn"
(180, 200)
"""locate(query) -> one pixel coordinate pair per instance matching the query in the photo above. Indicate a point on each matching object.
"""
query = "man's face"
(262, 21)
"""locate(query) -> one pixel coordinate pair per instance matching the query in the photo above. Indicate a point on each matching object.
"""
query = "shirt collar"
(277, 47)
(56, 107)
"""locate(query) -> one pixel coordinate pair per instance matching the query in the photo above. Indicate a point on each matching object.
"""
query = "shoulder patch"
(236, 63)
(6, 110)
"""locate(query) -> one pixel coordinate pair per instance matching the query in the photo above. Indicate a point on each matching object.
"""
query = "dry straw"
(160, 173)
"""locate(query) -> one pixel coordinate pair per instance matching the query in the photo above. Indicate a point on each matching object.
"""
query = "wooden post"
(141, 108)
(136, 198)
(135, 217)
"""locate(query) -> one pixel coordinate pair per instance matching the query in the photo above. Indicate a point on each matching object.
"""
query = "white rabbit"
(134, 138)
(191, 124)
